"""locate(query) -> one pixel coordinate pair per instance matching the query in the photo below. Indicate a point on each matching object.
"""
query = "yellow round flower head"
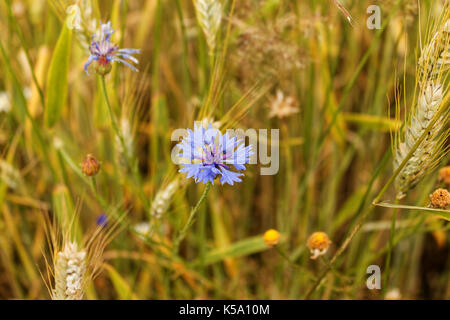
(440, 198)
(318, 243)
(271, 237)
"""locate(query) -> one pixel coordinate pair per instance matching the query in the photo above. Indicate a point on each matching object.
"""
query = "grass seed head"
(161, 203)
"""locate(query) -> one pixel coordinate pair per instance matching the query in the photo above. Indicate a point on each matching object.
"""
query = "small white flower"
(5, 103)
(282, 106)
(144, 229)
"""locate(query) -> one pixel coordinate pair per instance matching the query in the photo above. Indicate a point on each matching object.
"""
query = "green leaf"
(120, 285)
(19, 101)
(373, 122)
(238, 249)
(65, 212)
(57, 81)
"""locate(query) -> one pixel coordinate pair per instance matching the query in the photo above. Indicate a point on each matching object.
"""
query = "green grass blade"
(238, 249)
(57, 81)
(444, 214)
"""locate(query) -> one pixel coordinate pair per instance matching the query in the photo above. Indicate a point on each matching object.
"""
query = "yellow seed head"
(440, 198)
(271, 237)
(318, 240)
(318, 243)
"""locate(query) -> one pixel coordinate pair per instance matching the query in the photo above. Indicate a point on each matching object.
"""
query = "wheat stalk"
(209, 15)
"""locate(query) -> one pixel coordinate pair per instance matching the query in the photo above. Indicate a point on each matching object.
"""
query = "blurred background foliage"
(340, 76)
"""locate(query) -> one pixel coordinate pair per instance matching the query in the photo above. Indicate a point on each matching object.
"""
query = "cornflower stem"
(94, 186)
(190, 221)
(111, 114)
(131, 163)
(377, 199)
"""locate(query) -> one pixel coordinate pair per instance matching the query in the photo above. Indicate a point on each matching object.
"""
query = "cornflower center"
(213, 155)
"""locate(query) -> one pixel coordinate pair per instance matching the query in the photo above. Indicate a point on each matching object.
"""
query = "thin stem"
(190, 221)
(285, 257)
(111, 113)
(94, 186)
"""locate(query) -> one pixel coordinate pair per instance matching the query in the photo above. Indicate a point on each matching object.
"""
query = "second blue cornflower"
(104, 52)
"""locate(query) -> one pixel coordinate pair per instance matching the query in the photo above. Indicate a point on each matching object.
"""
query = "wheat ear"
(209, 15)
(435, 57)
(70, 268)
(162, 199)
(422, 158)
(432, 64)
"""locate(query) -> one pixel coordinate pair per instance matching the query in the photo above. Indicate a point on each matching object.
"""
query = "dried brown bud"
(440, 199)
(90, 166)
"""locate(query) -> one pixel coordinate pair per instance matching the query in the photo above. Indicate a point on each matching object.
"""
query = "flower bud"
(102, 68)
(90, 166)
(102, 220)
(271, 237)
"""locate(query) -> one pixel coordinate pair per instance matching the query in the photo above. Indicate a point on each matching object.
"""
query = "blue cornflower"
(102, 220)
(103, 52)
(207, 154)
